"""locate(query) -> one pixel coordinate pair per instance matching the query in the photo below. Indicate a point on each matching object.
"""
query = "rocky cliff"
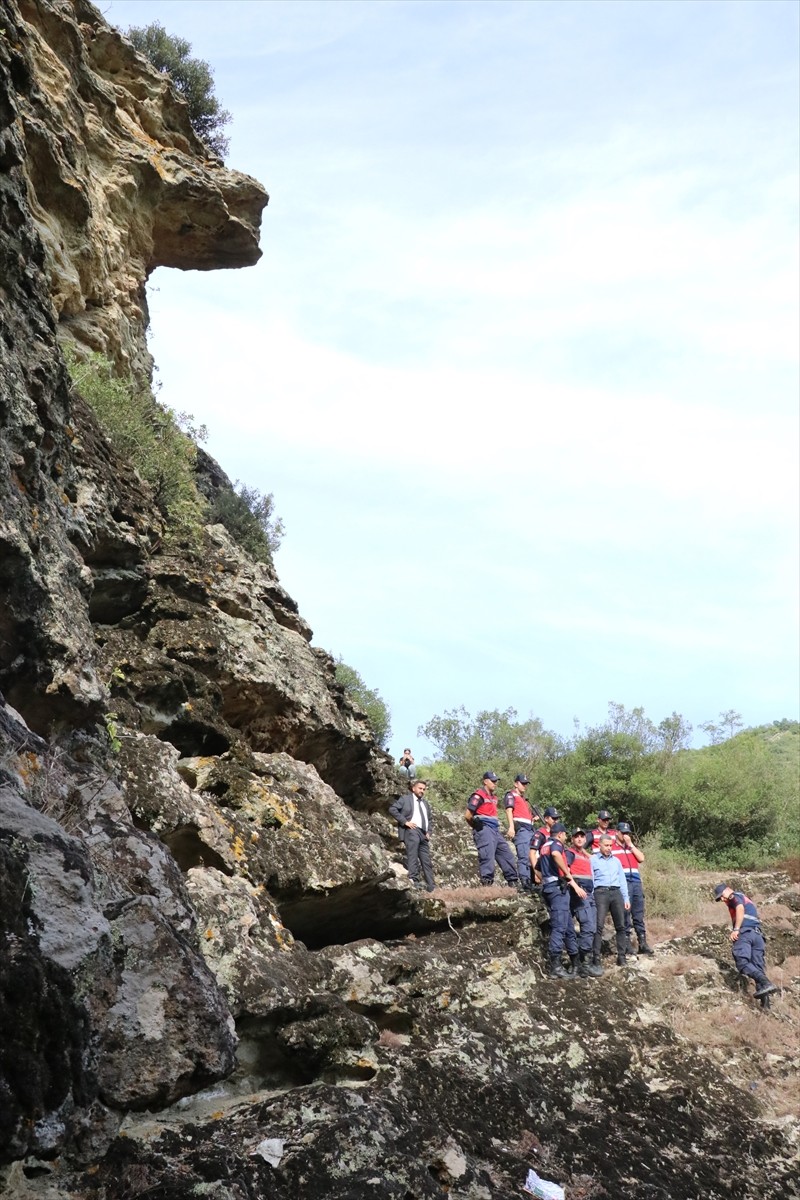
(215, 979)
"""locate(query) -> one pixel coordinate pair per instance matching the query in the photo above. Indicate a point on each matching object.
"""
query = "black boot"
(572, 970)
(556, 970)
(621, 960)
(644, 948)
(596, 968)
(584, 967)
(764, 988)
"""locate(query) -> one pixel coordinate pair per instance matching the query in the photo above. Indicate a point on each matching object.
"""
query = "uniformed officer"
(583, 908)
(481, 816)
(603, 826)
(630, 857)
(538, 840)
(557, 883)
(747, 942)
(520, 827)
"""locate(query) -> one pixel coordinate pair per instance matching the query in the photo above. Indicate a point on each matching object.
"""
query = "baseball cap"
(604, 815)
(521, 779)
(491, 775)
(623, 827)
(550, 811)
(575, 832)
(718, 890)
(558, 828)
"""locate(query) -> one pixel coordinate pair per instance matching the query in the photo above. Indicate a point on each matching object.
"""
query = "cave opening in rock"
(189, 850)
(193, 739)
(350, 913)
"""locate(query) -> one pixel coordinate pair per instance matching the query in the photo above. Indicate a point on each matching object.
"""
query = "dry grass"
(661, 929)
(766, 1042)
(789, 969)
(391, 1039)
(779, 915)
(461, 897)
(741, 1023)
(685, 964)
(791, 865)
(670, 893)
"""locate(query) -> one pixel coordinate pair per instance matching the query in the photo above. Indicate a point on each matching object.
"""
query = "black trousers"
(418, 855)
(609, 899)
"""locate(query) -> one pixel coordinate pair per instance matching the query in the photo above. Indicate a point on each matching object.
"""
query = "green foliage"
(249, 518)
(728, 723)
(112, 730)
(192, 78)
(493, 740)
(147, 434)
(368, 700)
(604, 769)
(734, 803)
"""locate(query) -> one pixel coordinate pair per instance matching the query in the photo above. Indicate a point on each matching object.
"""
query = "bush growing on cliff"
(149, 436)
(370, 700)
(192, 78)
(248, 516)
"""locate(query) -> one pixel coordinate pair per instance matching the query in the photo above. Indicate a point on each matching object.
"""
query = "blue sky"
(520, 360)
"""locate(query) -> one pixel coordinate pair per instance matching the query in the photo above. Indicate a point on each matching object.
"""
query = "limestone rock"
(118, 182)
(131, 1010)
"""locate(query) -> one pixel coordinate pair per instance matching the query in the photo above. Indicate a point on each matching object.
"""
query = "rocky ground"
(211, 1052)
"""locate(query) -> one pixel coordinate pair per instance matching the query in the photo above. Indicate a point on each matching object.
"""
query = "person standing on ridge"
(520, 827)
(747, 942)
(481, 816)
(604, 820)
(538, 842)
(583, 908)
(413, 815)
(610, 895)
(557, 882)
(629, 857)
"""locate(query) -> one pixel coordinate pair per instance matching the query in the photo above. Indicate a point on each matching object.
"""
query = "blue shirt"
(607, 872)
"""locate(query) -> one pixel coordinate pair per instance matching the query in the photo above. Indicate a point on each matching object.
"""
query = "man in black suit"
(413, 815)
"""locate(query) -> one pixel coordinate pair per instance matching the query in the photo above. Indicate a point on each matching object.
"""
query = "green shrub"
(148, 435)
(192, 79)
(247, 515)
(368, 699)
(725, 801)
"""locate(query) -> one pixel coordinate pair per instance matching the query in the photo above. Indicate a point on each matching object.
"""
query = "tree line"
(735, 802)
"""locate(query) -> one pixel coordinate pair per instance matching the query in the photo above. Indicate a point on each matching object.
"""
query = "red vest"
(581, 865)
(626, 859)
(520, 809)
(598, 833)
(751, 918)
(487, 806)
